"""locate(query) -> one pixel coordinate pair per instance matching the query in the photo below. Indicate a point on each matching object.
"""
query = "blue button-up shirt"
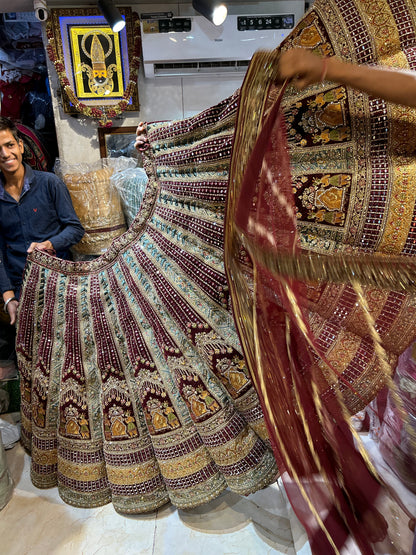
(44, 211)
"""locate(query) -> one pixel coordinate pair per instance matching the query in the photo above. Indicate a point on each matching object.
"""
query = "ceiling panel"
(27, 5)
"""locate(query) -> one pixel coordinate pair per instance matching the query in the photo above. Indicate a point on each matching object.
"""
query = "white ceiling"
(27, 5)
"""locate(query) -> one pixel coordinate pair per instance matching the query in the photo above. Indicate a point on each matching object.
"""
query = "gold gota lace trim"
(44, 457)
(231, 453)
(81, 473)
(185, 466)
(132, 474)
(397, 273)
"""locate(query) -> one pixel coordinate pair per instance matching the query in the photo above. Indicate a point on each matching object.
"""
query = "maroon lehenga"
(134, 388)
(134, 385)
(317, 255)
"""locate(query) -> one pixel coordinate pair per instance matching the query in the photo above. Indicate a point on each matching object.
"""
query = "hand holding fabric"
(12, 310)
(142, 142)
(302, 67)
(44, 246)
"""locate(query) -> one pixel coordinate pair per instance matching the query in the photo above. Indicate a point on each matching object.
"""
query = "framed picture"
(92, 61)
(118, 141)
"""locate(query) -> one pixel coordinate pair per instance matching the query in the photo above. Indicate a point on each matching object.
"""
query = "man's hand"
(10, 305)
(12, 310)
(44, 246)
(142, 142)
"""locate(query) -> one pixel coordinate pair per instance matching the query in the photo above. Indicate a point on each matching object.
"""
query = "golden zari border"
(396, 273)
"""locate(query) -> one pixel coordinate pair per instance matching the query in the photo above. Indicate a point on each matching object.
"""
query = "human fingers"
(12, 311)
(32, 247)
(300, 66)
(141, 128)
(141, 143)
(43, 246)
(290, 63)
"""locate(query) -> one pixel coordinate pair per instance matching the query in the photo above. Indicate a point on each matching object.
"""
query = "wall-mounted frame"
(94, 59)
(118, 141)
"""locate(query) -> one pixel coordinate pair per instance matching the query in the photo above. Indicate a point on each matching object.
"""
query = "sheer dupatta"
(330, 482)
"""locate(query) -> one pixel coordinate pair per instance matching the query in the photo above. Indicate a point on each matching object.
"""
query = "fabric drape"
(317, 253)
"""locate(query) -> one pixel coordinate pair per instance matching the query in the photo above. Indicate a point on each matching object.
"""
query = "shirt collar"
(29, 175)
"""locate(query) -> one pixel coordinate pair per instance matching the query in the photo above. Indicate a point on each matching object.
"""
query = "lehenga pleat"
(134, 388)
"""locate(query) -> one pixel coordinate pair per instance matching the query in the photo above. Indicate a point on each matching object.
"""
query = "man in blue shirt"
(35, 212)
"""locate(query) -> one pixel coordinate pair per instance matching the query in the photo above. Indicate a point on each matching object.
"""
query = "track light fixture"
(112, 15)
(213, 10)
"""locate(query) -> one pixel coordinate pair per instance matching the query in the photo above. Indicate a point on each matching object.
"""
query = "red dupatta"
(330, 482)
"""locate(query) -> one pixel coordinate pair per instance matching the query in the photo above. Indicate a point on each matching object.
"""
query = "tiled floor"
(38, 522)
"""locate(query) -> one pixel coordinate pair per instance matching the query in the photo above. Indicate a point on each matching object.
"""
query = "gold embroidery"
(185, 466)
(82, 473)
(131, 475)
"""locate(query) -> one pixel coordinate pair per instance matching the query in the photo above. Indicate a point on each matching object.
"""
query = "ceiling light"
(112, 15)
(213, 10)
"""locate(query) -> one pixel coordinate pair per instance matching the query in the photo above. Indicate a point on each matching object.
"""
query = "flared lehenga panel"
(319, 229)
(352, 174)
(134, 389)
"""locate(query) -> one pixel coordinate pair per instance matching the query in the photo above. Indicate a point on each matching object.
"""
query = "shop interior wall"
(160, 99)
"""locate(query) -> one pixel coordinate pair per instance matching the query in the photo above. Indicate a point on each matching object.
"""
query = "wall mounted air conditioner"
(184, 46)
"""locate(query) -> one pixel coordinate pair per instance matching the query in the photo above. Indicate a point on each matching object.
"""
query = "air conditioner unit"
(184, 46)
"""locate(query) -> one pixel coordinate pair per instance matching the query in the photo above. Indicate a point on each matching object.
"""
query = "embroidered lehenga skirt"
(134, 384)
(134, 388)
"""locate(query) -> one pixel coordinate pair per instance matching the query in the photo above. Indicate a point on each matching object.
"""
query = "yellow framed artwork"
(97, 67)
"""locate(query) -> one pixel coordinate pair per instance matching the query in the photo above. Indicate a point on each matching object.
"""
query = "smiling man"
(35, 212)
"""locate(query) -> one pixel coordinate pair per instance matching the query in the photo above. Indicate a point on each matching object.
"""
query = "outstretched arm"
(305, 68)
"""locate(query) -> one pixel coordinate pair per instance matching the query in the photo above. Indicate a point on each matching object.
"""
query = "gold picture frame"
(94, 64)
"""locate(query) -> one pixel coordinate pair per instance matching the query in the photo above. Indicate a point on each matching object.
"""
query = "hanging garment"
(35, 154)
(13, 94)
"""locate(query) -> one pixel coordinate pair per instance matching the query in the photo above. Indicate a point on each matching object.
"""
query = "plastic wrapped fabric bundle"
(6, 483)
(130, 185)
(119, 163)
(96, 203)
(396, 437)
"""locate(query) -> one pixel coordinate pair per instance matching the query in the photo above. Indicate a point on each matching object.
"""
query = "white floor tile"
(38, 522)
